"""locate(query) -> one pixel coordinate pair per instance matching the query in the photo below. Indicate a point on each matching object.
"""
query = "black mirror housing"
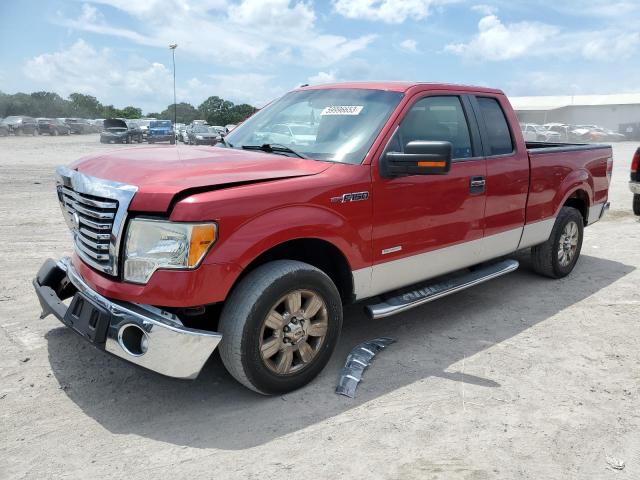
(420, 157)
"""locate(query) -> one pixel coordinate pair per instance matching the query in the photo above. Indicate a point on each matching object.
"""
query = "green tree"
(216, 110)
(185, 113)
(85, 105)
(131, 112)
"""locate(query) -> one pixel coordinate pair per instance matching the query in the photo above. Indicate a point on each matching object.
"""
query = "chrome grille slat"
(91, 213)
(95, 210)
(100, 257)
(89, 201)
(96, 236)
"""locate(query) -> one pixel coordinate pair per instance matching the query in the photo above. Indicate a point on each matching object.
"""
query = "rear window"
(500, 141)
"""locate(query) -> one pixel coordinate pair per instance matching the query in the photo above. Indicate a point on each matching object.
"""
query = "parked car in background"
(634, 184)
(22, 125)
(53, 126)
(4, 129)
(143, 123)
(79, 125)
(97, 125)
(181, 133)
(161, 131)
(117, 130)
(203, 135)
(537, 133)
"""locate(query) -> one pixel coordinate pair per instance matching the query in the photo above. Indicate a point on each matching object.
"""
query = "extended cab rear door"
(426, 225)
(507, 164)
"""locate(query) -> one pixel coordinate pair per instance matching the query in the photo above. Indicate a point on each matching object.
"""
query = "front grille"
(95, 211)
(91, 221)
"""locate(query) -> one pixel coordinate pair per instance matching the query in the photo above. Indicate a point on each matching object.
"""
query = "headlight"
(199, 137)
(154, 244)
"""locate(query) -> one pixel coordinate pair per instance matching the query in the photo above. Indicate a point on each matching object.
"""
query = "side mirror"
(420, 157)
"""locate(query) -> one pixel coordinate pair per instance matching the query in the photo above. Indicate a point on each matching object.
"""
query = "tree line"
(215, 110)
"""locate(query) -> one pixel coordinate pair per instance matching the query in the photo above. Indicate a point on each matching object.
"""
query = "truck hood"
(161, 173)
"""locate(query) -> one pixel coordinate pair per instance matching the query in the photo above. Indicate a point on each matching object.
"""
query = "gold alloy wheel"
(293, 332)
(568, 244)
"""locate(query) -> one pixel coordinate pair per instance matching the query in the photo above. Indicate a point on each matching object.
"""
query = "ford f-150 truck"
(400, 193)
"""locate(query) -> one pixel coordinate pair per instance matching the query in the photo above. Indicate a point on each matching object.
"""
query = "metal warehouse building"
(619, 112)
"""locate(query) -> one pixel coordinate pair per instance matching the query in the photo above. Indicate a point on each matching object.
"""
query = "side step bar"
(426, 293)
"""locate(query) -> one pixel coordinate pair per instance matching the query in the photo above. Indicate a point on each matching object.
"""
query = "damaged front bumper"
(141, 334)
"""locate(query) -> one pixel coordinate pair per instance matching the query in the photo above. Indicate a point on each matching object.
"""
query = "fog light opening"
(133, 340)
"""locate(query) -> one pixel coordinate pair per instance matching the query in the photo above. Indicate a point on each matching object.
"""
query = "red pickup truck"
(388, 194)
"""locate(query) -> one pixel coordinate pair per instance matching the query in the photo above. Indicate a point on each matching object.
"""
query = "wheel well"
(580, 201)
(319, 253)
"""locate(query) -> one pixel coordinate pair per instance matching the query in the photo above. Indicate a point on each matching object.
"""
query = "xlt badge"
(351, 197)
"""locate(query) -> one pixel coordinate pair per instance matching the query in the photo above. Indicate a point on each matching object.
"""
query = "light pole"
(173, 47)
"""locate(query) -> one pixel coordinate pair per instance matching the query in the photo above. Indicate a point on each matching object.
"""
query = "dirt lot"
(522, 377)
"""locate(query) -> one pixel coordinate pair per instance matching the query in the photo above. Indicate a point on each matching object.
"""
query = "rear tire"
(636, 203)
(18, 132)
(557, 257)
(303, 304)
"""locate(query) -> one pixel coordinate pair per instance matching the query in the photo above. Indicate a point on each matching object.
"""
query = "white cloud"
(323, 77)
(133, 81)
(389, 11)
(229, 33)
(485, 9)
(253, 88)
(496, 41)
(410, 45)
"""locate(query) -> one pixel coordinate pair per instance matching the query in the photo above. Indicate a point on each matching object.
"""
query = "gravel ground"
(522, 377)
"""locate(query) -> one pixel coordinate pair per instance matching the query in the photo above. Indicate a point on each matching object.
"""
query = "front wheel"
(280, 326)
(557, 257)
(636, 204)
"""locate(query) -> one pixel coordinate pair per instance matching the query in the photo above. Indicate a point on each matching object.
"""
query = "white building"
(609, 111)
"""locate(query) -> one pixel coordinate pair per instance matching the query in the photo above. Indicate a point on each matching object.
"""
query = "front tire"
(280, 326)
(557, 257)
(636, 204)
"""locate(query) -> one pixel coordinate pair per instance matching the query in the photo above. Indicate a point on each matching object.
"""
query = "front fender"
(272, 228)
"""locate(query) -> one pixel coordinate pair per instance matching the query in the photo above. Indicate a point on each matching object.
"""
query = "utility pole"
(173, 47)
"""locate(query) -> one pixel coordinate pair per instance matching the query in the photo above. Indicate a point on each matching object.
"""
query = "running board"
(426, 293)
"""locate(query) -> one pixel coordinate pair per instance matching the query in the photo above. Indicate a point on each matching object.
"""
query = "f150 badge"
(351, 197)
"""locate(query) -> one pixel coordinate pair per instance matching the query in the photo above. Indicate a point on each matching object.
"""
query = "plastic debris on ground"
(357, 361)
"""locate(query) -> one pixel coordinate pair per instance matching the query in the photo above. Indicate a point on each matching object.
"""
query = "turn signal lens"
(432, 164)
(202, 236)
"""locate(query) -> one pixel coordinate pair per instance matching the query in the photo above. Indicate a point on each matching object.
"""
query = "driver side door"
(427, 225)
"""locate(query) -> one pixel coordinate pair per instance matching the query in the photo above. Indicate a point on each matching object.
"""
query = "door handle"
(476, 185)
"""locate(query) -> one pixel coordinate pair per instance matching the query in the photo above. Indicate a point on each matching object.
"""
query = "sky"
(255, 50)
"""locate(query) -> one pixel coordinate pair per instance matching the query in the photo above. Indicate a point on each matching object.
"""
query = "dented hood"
(160, 173)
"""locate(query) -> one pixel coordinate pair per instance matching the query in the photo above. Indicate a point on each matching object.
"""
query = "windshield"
(160, 124)
(338, 125)
(199, 129)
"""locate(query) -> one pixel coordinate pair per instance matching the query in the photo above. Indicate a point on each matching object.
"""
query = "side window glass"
(500, 141)
(436, 119)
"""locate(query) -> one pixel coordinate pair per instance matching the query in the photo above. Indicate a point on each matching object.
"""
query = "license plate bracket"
(88, 319)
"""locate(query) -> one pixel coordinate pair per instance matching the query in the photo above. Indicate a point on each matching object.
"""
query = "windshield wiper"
(274, 148)
(224, 142)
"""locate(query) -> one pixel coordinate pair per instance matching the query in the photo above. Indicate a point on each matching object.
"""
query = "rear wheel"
(18, 132)
(557, 257)
(35, 132)
(636, 204)
(280, 326)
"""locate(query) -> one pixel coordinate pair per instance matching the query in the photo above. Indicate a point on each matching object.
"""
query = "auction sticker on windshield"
(342, 110)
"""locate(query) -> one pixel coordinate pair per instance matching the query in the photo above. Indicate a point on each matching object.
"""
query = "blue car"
(161, 131)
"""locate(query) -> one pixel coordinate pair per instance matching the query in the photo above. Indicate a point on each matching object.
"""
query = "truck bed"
(558, 168)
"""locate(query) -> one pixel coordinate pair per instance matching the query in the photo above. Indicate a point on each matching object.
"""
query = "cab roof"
(403, 86)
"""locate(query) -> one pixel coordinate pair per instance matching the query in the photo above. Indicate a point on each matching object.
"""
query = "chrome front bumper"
(634, 187)
(170, 348)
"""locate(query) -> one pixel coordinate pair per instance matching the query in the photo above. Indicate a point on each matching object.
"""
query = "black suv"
(53, 126)
(21, 125)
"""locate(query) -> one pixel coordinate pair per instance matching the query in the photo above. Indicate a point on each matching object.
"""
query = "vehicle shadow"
(215, 411)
